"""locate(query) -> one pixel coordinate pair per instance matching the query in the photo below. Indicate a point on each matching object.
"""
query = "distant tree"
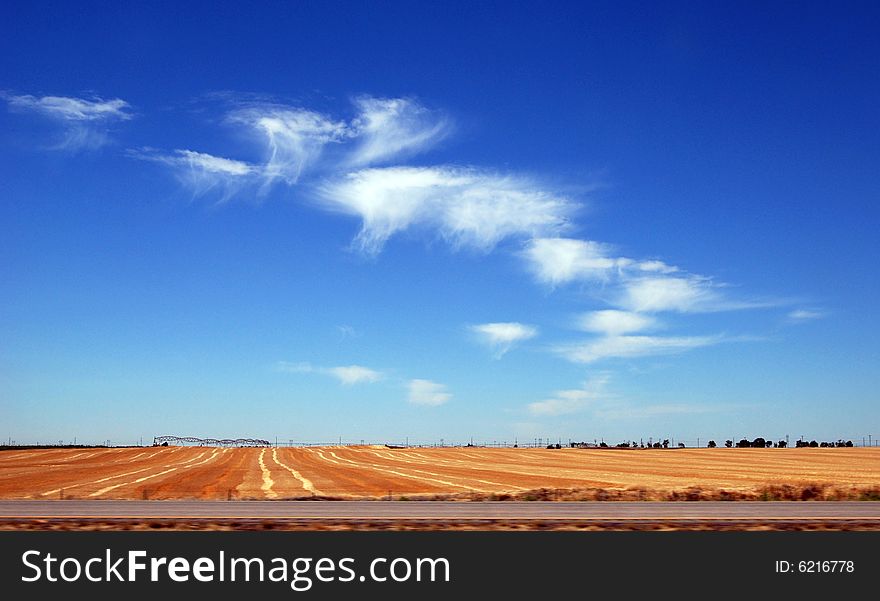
(814, 444)
(781, 444)
(557, 446)
(666, 443)
(681, 445)
(849, 443)
(603, 444)
(711, 444)
(759, 443)
(743, 443)
(728, 443)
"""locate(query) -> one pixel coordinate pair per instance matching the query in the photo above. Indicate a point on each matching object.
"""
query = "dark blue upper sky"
(379, 220)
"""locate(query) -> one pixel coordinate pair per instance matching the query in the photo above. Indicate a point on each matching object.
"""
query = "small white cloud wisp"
(67, 108)
(355, 374)
(201, 172)
(500, 337)
(294, 138)
(564, 402)
(427, 392)
(347, 375)
(802, 315)
(613, 322)
(685, 294)
(558, 261)
(389, 128)
(627, 347)
(85, 123)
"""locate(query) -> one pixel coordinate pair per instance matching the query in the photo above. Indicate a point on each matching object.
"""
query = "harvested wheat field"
(466, 473)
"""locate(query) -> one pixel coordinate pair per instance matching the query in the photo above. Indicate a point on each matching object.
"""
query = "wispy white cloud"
(212, 164)
(625, 347)
(557, 261)
(294, 138)
(613, 322)
(201, 172)
(68, 108)
(655, 266)
(564, 402)
(355, 374)
(682, 294)
(347, 375)
(391, 128)
(426, 392)
(802, 315)
(593, 397)
(502, 336)
(85, 123)
(468, 207)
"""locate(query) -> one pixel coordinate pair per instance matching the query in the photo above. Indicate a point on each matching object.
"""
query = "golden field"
(467, 473)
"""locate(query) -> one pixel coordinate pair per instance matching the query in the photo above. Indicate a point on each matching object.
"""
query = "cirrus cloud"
(614, 322)
(427, 392)
(564, 402)
(467, 207)
(85, 123)
(502, 336)
(347, 375)
(388, 128)
(628, 347)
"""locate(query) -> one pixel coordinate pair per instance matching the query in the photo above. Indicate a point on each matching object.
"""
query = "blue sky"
(433, 221)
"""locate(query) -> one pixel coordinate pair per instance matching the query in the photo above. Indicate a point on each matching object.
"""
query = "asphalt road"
(443, 511)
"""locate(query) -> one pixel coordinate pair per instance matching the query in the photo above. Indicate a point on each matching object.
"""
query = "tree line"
(757, 443)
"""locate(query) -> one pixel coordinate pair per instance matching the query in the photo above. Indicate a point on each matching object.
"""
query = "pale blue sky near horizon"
(500, 221)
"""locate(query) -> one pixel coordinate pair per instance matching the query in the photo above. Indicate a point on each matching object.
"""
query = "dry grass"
(772, 492)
